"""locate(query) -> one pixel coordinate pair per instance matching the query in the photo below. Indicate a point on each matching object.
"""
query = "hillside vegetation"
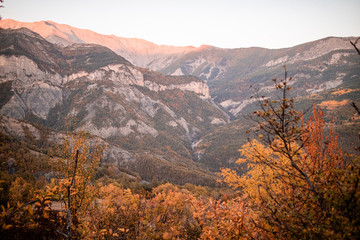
(298, 184)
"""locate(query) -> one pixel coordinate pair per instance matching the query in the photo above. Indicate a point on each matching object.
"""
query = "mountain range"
(164, 112)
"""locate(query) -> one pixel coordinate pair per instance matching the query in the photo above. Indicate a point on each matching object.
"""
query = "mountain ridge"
(185, 124)
(138, 51)
(134, 111)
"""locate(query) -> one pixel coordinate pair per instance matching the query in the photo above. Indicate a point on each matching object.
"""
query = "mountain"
(147, 120)
(139, 52)
(325, 72)
(233, 75)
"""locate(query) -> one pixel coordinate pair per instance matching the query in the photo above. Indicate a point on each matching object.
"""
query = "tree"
(219, 219)
(29, 212)
(116, 215)
(76, 164)
(169, 215)
(34, 219)
(298, 185)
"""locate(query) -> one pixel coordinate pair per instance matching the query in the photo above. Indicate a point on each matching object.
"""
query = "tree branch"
(356, 108)
(354, 45)
(69, 196)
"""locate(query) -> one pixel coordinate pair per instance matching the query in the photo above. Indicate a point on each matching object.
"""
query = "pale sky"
(221, 23)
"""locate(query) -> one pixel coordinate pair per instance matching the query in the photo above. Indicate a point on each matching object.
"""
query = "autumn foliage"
(298, 185)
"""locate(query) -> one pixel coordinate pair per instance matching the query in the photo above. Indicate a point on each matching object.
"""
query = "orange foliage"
(300, 189)
(229, 219)
(344, 91)
(332, 104)
(298, 186)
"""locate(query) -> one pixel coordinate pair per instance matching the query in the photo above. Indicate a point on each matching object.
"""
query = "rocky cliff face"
(38, 89)
(236, 75)
(169, 118)
(229, 73)
(138, 113)
(33, 90)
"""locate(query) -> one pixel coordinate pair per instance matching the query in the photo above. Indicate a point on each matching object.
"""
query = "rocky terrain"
(141, 115)
(180, 120)
(228, 72)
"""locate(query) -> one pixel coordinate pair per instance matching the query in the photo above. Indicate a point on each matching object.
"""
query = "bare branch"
(76, 161)
(69, 196)
(356, 108)
(354, 45)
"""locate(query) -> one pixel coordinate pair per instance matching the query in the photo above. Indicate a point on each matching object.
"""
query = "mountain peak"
(52, 58)
(138, 51)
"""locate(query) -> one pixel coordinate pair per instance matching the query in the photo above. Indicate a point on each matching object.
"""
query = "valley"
(176, 114)
(104, 137)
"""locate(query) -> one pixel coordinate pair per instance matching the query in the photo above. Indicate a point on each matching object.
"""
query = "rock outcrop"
(137, 113)
(34, 90)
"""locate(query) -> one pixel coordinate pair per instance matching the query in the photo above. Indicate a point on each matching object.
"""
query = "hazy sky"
(221, 23)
